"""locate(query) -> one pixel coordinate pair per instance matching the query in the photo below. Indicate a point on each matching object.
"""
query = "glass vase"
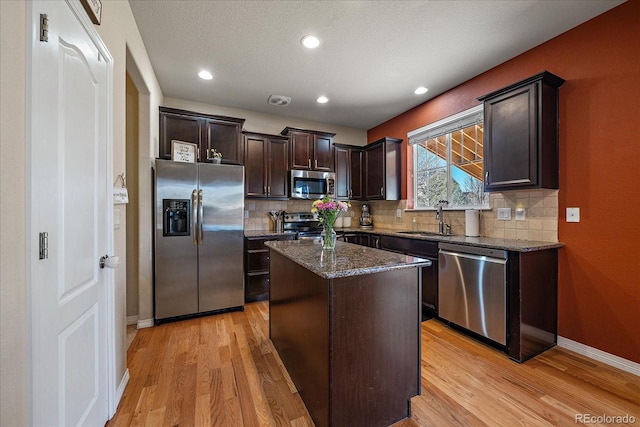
(328, 236)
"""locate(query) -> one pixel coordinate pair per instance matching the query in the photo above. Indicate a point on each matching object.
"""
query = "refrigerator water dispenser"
(176, 217)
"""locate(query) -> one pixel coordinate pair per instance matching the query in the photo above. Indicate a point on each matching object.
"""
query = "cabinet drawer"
(414, 247)
(253, 244)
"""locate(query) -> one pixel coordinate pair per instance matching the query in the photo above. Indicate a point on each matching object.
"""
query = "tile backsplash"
(541, 215)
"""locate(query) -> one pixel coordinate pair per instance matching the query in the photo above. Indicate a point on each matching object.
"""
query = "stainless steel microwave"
(312, 184)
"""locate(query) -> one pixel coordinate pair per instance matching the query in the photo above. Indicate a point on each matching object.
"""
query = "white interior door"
(70, 151)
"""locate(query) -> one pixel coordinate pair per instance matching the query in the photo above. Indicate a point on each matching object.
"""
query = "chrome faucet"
(443, 228)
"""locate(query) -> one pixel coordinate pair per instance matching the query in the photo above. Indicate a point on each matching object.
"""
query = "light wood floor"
(222, 370)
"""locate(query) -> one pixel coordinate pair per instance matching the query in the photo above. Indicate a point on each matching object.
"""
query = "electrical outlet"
(398, 213)
(573, 214)
(246, 214)
(520, 214)
(504, 214)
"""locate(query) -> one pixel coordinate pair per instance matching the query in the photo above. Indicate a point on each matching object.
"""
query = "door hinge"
(44, 27)
(44, 246)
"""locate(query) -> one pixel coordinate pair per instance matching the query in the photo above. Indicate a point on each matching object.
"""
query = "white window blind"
(472, 116)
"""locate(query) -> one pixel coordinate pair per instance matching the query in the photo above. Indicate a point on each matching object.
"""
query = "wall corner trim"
(145, 323)
(599, 355)
(120, 391)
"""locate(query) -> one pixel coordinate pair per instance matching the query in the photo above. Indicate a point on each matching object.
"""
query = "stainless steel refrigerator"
(198, 238)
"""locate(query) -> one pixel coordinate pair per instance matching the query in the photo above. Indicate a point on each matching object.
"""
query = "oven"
(305, 224)
(312, 184)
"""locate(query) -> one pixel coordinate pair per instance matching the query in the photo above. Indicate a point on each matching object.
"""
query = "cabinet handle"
(486, 177)
(316, 164)
(349, 193)
(309, 163)
(264, 189)
(268, 190)
(382, 191)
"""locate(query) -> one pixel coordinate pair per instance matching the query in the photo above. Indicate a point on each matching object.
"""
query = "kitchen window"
(448, 162)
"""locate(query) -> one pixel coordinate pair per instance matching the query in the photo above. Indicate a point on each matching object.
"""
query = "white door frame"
(32, 233)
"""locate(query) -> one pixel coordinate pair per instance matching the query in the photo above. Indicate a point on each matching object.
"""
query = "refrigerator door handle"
(194, 217)
(200, 218)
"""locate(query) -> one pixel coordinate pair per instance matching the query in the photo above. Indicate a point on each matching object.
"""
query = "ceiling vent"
(279, 100)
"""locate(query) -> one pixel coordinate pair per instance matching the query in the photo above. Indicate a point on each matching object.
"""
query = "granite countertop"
(264, 233)
(485, 242)
(346, 260)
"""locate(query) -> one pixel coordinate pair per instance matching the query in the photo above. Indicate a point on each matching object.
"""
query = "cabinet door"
(355, 173)
(301, 150)
(255, 170)
(182, 128)
(374, 166)
(363, 239)
(225, 138)
(323, 153)
(430, 288)
(342, 172)
(278, 166)
(511, 139)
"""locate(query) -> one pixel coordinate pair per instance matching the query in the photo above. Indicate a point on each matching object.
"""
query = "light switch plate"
(573, 214)
(398, 213)
(520, 214)
(504, 214)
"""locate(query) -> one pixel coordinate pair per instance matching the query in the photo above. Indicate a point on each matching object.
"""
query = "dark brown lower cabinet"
(256, 267)
(532, 319)
(424, 249)
(350, 344)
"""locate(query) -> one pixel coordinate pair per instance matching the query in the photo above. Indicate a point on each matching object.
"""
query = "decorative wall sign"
(94, 10)
(182, 151)
(120, 196)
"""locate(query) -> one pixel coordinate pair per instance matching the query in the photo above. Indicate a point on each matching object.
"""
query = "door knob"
(109, 262)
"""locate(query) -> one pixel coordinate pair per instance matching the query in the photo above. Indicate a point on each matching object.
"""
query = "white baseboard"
(599, 355)
(121, 387)
(132, 320)
(146, 323)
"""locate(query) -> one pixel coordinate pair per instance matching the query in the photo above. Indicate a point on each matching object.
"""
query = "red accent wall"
(599, 270)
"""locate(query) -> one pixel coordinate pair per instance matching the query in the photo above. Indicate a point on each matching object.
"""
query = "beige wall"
(272, 124)
(540, 224)
(120, 33)
(13, 313)
(132, 231)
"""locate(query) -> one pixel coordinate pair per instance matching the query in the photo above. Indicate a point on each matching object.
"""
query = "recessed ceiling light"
(310, 42)
(420, 90)
(205, 75)
(322, 99)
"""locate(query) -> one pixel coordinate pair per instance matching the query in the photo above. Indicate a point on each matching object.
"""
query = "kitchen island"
(346, 324)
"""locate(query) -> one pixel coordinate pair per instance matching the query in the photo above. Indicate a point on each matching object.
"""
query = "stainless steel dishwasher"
(472, 289)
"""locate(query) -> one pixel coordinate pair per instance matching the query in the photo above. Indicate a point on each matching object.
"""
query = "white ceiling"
(372, 57)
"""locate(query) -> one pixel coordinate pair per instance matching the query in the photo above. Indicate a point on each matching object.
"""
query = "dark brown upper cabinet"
(205, 130)
(266, 165)
(382, 169)
(310, 149)
(348, 170)
(521, 134)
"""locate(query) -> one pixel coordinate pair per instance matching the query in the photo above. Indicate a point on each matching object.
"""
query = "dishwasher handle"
(484, 258)
(474, 250)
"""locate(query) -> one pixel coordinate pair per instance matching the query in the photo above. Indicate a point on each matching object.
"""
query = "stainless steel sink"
(425, 233)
